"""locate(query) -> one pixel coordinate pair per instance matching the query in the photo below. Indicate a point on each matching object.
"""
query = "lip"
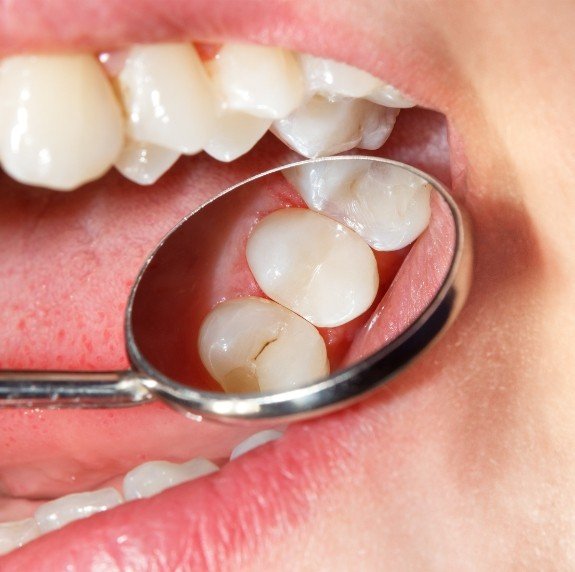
(303, 461)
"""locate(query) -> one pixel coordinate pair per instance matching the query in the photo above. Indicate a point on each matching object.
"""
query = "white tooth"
(322, 127)
(167, 97)
(57, 513)
(16, 534)
(390, 96)
(156, 476)
(252, 344)
(388, 206)
(313, 265)
(259, 80)
(235, 134)
(61, 123)
(255, 441)
(145, 163)
(330, 78)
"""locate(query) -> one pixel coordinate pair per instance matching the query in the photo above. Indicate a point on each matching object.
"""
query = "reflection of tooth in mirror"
(253, 344)
(387, 206)
(183, 286)
(312, 265)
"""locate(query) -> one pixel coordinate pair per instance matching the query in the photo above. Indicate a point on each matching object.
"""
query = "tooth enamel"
(145, 163)
(255, 441)
(390, 96)
(329, 78)
(313, 265)
(156, 476)
(322, 127)
(235, 134)
(259, 80)
(16, 534)
(388, 206)
(57, 513)
(252, 344)
(61, 123)
(167, 97)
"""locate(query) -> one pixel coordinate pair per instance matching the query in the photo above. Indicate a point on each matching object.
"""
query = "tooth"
(156, 476)
(167, 97)
(235, 134)
(252, 344)
(331, 78)
(322, 127)
(145, 163)
(259, 80)
(388, 206)
(313, 265)
(16, 534)
(390, 96)
(57, 513)
(61, 123)
(255, 441)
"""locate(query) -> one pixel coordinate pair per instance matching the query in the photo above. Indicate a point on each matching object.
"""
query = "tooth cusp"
(313, 265)
(252, 344)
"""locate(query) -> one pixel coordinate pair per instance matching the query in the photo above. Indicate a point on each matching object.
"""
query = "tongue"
(69, 262)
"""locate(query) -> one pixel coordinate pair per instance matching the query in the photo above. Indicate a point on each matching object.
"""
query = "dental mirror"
(289, 295)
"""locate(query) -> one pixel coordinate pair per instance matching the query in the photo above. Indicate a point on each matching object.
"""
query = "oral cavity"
(143, 481)
(67, 119)
(319, 269)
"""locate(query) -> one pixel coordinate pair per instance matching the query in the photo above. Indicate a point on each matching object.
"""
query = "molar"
(167, 97)
(388, 207)
(313, 265)
(259, 80)
(251, 344)
(322, 127)
(154, 477)
(61, 123)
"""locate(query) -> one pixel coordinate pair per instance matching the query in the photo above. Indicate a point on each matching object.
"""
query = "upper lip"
(223, 503)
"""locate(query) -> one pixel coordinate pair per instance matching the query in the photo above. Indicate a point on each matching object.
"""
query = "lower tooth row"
(144, 481)
(319, 271)
(64, 122)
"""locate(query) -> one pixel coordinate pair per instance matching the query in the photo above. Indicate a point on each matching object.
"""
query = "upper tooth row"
(64, 121)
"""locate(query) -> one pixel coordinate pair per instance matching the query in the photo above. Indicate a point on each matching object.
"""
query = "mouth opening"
(72, 259)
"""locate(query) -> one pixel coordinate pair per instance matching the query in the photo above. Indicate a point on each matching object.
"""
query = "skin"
(468, 462)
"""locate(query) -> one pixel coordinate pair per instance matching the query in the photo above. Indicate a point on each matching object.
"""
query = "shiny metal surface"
(156, 341)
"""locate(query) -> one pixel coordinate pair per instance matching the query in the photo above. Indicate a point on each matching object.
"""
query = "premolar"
(259, 80)
(167, 97)
(61, 123)
(254, 441)
(251, 344)
(156, 476)
(322, 127)
(313, 265)
(388, 206)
